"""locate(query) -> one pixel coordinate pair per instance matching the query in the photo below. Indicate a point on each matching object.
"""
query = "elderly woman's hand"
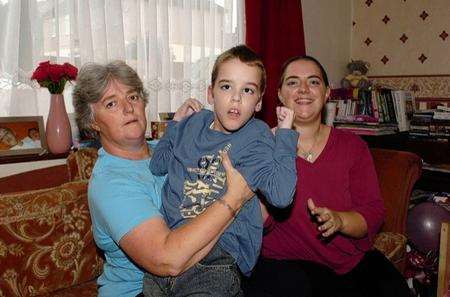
(237, 187)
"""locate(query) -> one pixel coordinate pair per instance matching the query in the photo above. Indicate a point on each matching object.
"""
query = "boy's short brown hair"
(245, 55)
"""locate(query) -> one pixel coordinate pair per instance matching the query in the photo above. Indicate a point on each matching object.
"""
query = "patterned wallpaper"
(407, 39)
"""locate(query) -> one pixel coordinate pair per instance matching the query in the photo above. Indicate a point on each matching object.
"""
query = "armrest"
(46, 240)
(397, 173)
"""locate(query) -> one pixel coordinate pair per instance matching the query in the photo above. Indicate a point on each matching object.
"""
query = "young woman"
(323, 245)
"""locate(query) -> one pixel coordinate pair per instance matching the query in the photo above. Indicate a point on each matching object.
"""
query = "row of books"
(431, 123)
(373, 111)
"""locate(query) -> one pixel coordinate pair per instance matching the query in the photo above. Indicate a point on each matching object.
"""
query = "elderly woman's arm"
(162, 251)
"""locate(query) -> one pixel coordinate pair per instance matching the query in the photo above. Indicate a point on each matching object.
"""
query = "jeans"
(216, 275)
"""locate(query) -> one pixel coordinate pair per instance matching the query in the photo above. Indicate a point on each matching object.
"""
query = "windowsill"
(32, 158)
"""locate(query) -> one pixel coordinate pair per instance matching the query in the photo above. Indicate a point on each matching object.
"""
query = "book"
(441, 115)
(401, 99)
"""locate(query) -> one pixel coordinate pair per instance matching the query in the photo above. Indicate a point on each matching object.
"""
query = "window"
(172, 44)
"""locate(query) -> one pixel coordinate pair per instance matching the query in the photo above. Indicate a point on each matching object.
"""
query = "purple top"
(343, 178)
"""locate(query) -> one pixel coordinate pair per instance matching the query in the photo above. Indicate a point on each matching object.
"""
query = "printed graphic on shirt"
(207, 186)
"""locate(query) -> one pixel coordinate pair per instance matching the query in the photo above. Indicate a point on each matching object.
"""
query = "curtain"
(274, 29)
(172, 44)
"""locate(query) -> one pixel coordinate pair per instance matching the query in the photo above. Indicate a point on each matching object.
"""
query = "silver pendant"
(308, 156)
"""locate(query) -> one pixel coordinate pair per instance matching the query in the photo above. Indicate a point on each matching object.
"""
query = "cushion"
(46, 240)
(392, 245)
(81, 162)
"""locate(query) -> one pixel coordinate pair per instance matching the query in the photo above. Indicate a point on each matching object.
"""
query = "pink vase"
(57, 131)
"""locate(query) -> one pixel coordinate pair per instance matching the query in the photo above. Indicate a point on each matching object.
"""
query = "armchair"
(397, 173)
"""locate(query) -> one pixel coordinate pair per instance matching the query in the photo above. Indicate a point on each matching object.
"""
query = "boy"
(189, 153)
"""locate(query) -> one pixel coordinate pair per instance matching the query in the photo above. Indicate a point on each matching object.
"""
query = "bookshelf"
(372, 111)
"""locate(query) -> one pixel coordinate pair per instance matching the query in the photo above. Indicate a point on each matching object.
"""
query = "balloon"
(424, 226)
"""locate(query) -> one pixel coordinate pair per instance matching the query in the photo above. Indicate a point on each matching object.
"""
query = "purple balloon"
(424, 225)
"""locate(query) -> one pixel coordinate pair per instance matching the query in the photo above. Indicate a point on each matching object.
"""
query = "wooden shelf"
(31, 158)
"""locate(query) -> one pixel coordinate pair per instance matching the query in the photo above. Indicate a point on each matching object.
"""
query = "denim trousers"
(216, 275)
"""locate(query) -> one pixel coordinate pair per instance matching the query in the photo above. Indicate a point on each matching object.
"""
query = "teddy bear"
(357, 77)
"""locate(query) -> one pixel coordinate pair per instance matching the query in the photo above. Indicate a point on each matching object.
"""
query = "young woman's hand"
(329, 220)
(189, 106)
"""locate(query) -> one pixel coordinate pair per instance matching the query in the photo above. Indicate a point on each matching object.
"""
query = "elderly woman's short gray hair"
(92, 82)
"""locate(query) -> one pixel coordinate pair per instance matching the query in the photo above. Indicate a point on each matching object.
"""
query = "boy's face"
(235, 95)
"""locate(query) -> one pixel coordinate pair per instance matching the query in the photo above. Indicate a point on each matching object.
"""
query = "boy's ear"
(210, 96)
(258, 105)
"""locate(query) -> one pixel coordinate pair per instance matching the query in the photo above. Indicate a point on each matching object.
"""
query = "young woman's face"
(304, 91)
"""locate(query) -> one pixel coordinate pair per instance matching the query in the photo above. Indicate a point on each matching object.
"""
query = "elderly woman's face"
(119, 116)
(8, 138)
(304, 90)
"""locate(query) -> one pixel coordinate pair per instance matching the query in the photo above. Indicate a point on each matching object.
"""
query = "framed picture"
(22, 136)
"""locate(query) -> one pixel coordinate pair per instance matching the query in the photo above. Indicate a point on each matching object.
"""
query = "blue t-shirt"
(122, 194)
(189, 153)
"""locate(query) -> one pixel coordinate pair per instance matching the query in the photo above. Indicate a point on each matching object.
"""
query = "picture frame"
(22, 136)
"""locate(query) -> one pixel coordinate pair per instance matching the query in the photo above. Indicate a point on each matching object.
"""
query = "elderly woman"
(124, 197)
(323, 245)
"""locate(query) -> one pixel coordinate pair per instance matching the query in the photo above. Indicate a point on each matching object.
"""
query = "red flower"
(39, 74)
(54, 76)
(56, 73)
(70, 70)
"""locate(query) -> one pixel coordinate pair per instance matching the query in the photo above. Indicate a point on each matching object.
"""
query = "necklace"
(309, 154)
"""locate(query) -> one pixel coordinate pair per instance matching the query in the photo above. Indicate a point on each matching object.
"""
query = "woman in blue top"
(124, 197)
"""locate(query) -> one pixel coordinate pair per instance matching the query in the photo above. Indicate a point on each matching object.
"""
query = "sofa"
(46, 243)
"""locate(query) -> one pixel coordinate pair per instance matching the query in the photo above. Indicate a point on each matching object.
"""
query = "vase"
(57, 131)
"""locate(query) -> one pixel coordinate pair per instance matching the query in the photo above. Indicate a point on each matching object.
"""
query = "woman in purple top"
(322, 246)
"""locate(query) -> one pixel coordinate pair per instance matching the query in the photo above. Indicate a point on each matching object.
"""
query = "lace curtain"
(171, 43)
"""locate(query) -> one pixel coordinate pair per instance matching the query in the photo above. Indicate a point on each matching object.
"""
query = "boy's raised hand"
(189, 106)
(285, 117)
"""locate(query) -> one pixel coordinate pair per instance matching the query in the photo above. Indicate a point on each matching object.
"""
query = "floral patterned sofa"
(46, 244)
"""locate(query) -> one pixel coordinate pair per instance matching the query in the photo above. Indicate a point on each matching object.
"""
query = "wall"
(402, 31)
(327, 27)
(406, 40)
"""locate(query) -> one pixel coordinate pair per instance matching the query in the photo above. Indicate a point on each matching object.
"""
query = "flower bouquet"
(54, 76)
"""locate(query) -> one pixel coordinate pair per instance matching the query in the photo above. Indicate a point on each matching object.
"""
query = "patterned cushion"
(392, 245)
(46, 241)
(81, 163)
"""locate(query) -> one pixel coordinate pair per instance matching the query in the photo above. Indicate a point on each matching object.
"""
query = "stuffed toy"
(357, 77)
